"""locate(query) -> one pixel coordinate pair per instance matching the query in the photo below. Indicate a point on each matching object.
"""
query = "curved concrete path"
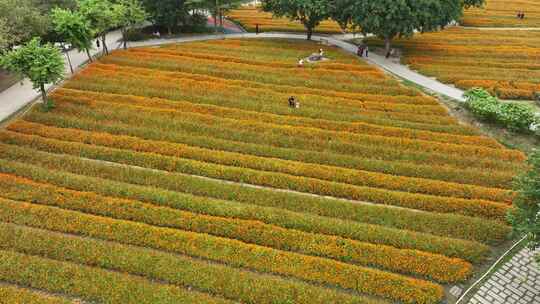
(19, 95)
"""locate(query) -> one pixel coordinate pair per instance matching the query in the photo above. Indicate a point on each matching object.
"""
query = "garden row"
(251, 17)
(180, 175)
(502, 62)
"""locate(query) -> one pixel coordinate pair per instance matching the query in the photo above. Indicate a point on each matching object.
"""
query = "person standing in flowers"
(301, 63)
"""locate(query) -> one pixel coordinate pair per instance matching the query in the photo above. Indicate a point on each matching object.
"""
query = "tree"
(5, 35)
(22, 20)
(167, 13)
(388, 19)
(525, 216)
(101, 16)
(73, 28)
(42, 64)
(309, 12)
(128, 14)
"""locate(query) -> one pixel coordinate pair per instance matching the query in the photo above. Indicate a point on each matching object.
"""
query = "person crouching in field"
(293, 103)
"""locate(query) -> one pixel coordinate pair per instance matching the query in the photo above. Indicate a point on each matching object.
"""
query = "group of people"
(314, 57)
(521, 15)
(362, 51)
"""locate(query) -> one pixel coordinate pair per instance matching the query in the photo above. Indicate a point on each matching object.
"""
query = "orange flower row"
(231, 252)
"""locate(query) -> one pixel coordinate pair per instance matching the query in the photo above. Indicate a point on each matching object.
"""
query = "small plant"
(525, 216)
(516, 117)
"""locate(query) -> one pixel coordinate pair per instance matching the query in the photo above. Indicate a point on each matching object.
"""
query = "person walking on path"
(366, 51)
(360, 50)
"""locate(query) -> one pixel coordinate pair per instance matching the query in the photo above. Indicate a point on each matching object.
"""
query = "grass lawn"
(139, 186)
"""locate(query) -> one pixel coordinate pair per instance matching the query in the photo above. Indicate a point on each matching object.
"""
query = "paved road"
(516, 282)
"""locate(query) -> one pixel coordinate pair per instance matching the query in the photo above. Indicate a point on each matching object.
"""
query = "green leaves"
(42, 64)
(525, 216)
(73, 27)
(516, 117)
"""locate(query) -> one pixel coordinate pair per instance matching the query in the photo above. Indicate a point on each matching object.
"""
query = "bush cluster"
(516, 117)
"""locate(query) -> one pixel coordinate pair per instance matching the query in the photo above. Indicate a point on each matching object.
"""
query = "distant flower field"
(507, 63)
(250, 16)
(503, 13)
(139, 186)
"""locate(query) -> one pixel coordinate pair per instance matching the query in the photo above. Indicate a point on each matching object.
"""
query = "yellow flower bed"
(503, 62)
(179, 174)
(250, 16)
(503, 13)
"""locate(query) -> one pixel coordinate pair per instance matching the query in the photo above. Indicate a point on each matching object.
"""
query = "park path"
(21, 94)
(516, 282)
(18, 96)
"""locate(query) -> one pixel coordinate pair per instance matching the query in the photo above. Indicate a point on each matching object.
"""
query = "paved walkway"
(516, 282)
(21, 94)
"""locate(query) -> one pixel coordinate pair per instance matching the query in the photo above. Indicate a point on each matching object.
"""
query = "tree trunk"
(104, 41)
(215, 21)
(309, 33)
(387, 46)
(89, 55)
(169, 30)
(44, 96)
(221, 17)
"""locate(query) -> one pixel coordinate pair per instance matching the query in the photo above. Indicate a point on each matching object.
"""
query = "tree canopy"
(101, 15)
(22, 20)
(73, 28)
(525, 216)
(42, 64)
(388, 19)
(128, 13)
(309, 12)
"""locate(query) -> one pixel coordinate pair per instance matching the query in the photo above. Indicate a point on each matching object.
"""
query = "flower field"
(506, 63)
(501, 13)
(179, 174)
(249, 16)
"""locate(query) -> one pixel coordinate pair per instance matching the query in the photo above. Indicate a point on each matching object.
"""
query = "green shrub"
(516, 117)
